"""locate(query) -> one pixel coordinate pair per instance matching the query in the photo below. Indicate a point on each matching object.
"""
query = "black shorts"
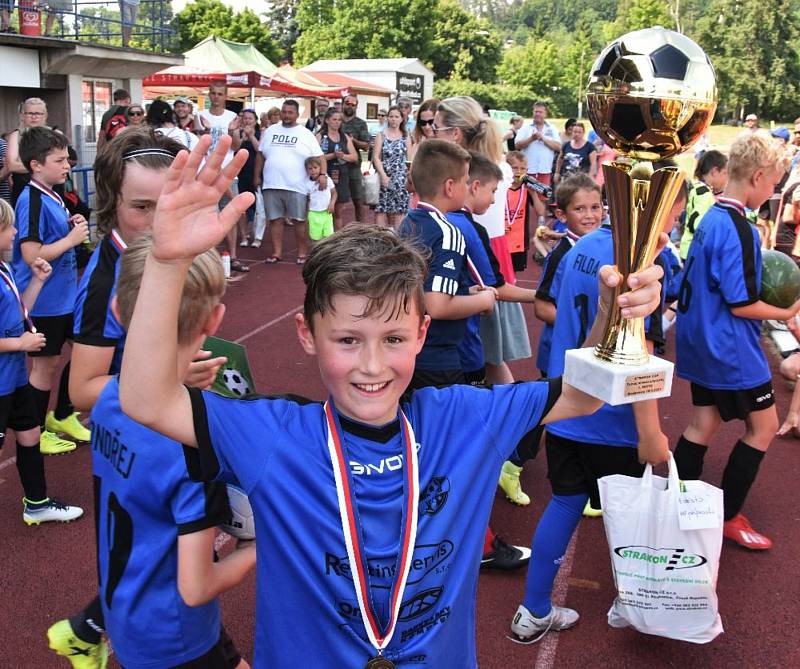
(476, 378)
(222, 655)
(17, 411)
(734, 403)
(56, 329)
(573, 467)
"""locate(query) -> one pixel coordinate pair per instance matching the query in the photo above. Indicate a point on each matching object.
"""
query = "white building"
(404, 76)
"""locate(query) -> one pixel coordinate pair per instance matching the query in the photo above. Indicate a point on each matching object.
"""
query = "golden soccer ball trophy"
(651, 95)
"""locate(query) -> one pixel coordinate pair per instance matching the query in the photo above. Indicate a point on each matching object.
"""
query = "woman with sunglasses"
(424, 127)
(135, 116)
(392, 148)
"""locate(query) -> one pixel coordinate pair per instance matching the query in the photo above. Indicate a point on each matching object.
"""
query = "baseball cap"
(782, 133)
(185, 101)
(751, 117)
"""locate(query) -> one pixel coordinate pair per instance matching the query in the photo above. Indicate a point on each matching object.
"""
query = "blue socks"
(550, 541)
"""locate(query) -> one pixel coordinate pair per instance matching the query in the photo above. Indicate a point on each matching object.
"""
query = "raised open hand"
(187, 219)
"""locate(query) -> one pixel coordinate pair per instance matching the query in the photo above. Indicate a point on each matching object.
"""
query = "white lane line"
(261, 328)
(7, 463)
(546, 658)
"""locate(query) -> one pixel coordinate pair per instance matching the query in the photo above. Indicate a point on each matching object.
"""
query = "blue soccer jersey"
(13, 372)
(94, 322)
(577, 308)
(307, 612)
(43, 218)
(485, 264)
(716, 349)
(144, 500)
(447, 273)
(547, 290)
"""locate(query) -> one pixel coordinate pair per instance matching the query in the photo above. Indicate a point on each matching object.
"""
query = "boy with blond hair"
(718, 332)
(378, 501)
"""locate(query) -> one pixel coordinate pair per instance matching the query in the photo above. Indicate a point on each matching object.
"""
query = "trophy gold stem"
(638, 209)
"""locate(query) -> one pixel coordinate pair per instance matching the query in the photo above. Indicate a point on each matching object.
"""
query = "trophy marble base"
(617, 384)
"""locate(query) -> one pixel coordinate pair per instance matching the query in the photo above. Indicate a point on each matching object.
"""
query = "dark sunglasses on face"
(136, 113)
(422, 122)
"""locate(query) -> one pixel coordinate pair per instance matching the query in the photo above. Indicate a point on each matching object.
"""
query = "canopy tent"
(239, 66)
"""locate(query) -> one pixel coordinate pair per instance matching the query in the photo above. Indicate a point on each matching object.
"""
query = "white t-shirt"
(494, 220)
(319, 200)
(185, 137)
(219, 127)
(539, 155)
(285, 151)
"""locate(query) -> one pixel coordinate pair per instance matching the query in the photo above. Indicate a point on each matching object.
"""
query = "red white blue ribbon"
(353, 536)
(49, 192)
(117, 241)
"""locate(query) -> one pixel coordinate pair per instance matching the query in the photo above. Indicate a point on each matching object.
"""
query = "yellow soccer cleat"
(590, 512)
(509, 482)
(70, 427)
(81, 654)
(52, 444)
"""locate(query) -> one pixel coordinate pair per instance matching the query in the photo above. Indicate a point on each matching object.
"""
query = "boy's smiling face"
(366, 362)
(7, 235)
(584, 212)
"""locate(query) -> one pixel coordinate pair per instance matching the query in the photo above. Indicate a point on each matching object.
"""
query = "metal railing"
(99, 22)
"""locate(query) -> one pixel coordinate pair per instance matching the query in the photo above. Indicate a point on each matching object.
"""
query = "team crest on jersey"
(434, 495)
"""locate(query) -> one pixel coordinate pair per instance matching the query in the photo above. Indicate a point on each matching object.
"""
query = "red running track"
(48, 572)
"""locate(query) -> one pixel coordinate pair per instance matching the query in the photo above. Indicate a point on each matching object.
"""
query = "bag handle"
(672, 478)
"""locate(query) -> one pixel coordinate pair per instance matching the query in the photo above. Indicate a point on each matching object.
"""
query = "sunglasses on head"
(422, 122)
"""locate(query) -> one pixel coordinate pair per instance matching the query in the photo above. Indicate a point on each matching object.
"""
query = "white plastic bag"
(665, 539)
(260, 222)
(372, 188)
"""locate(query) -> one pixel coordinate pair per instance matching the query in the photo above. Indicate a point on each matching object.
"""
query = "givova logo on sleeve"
(671, 559)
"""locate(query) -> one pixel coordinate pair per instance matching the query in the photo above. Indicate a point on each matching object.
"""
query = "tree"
(753, 46)
(364, 29)
(283, 26)
(637, 14)
(202, 18)
(537, 67)
(463, 46)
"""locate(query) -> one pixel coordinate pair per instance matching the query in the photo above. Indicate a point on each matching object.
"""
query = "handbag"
(665, 538)
(372, 187)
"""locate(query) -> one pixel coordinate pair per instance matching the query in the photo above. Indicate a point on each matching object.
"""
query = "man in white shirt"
(219, 121)
(540, 142)
(280, 171)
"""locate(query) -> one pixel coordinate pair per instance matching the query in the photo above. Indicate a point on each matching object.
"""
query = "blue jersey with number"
(41, 218)
(577, 309)
(13, 372)
(447, 273)
(471, 349)
(144, 501)
(716, 349)
(306, 611)
(94, 322)
(547, 290)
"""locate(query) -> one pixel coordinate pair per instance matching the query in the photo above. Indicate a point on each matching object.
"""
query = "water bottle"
(226, 264)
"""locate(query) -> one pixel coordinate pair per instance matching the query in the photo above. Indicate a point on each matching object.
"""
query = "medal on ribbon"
(353, 537)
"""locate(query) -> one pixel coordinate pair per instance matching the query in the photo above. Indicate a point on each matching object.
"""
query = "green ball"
(780, 279)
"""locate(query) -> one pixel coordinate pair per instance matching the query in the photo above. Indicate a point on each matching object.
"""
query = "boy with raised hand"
(355, 547)
(46, 230)
(17, 403)
(718, 331)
